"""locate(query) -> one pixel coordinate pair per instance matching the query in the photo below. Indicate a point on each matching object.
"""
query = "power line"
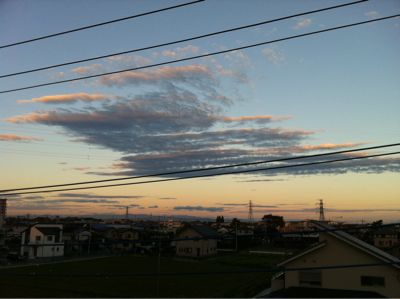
(199, 56)
(205, 175)
(99, 24)
(207, 168)
(241, 271)
(182, 40)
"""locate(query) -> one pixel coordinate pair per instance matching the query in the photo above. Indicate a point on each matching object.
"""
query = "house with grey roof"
(196, 241)
(332, 262)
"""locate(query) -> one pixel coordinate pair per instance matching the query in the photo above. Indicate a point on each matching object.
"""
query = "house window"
(58, 249)
(373, 281)
(50, 238)
(38, 238)
(310, 277)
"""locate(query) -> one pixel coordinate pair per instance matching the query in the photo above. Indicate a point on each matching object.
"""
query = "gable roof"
(307, 292)
(364, 246)
(205, 231)
(49, 230)
(303, 252)
(349, 239)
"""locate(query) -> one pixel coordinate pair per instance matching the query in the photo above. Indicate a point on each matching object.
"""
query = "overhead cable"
(181, 40)
(98, 24)
(198, 56)
(207, 168)
(205, 175)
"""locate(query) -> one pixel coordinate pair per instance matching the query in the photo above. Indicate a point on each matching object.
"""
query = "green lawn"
(186, 285)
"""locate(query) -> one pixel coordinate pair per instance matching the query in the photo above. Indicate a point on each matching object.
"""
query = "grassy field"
(75, 279)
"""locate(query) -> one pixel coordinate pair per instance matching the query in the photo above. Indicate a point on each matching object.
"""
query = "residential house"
(42, 240)
(337, 248)
(196, 240)
(386, 237)
(124, 239)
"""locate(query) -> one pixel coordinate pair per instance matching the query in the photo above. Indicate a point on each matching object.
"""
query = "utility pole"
(159, 258)
(90, 239)
(236, 236)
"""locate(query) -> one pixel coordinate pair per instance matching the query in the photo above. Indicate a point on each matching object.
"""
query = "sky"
(332, 91)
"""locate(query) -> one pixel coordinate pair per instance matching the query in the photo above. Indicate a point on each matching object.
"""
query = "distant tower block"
(127, 213)
(321, 210)
(3, 210)
(250, 211)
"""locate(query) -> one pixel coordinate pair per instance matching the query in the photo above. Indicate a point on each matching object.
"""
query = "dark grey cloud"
(140, 164)
(75, 200)
(96, 196)
(181, 124)
(261, 180)
(153, 207)
(120, 206)
(167, 198)
(199, 77)
(232, 204)
(199, 208)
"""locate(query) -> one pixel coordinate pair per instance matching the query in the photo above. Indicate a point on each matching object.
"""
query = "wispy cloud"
(96, 196)
(69, 98)
(12, 137)
(88, 69)
(260, 119)
(274, 56)
(180, 52)
(199, 208)
(302, 23)
(193, 74)
(372, 14)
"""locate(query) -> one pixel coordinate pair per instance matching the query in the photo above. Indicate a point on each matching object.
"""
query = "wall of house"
(385, 240)
(46, 251)
(189, 248)
(337, 252)
(44, 247)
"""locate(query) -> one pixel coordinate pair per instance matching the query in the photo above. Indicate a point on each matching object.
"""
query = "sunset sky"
(327, 92)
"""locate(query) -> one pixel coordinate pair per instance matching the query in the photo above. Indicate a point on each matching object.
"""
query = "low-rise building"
(195, 240)
(336, 249)
(42, 240)
(386, 238)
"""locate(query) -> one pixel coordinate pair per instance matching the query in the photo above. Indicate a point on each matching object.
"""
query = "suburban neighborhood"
(353, 260)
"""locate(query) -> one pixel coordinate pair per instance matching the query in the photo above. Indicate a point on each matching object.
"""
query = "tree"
(272, 221)
(220, 219)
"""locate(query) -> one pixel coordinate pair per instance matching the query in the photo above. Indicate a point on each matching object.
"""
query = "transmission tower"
(250, 211)
(321, 210)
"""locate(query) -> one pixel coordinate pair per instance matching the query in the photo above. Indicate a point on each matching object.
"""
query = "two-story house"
(42, 240)
(195, 240)
(327, 268)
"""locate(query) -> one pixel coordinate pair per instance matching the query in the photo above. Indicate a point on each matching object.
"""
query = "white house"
(196, 241)
(42, 240)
